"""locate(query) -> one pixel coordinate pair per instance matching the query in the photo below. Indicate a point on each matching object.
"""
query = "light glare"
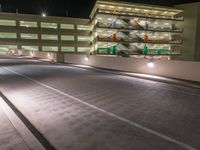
(43, 15)
(86, 58)
(150, 64)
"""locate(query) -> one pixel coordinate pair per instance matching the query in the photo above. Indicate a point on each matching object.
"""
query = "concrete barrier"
(51, 56)
(186, 70)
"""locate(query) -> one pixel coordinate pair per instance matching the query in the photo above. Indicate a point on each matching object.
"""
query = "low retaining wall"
(51, 56)
(186, 70)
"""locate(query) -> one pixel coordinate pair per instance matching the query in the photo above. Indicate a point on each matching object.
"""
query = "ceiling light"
(166, 23)
(102, 5)
(111, 7)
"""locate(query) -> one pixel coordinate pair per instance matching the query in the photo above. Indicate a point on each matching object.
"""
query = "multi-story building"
(132, 29)
(38, 33)
(114, 28)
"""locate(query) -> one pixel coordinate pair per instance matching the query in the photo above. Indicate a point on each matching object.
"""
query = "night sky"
(76, 8)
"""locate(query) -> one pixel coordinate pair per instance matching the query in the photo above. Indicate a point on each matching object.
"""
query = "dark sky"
(76, 8)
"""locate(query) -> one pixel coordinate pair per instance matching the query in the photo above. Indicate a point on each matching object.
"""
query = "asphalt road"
(82, 109)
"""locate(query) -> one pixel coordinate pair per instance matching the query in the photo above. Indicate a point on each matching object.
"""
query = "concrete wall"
(187, 70)
(51, 56)
(191, 34)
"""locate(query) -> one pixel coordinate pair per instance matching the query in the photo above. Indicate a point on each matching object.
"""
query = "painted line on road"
(27, 136)
(148, 130)
(37, 134)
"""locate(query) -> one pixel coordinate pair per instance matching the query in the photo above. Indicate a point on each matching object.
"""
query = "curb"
(36, 133)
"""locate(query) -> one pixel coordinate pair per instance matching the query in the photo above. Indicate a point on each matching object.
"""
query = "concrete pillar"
(76, 39)
(39, 36)
(59, 38)
(19, 46)
(191, 34)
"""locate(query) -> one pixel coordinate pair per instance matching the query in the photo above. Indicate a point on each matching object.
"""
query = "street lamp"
(43, 15)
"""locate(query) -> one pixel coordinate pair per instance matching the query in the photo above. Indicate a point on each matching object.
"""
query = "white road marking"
(162, 136)
(29, 139)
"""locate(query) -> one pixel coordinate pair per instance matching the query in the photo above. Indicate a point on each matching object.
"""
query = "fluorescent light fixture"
(111, 7)
(166, 23)
(137, 9)
(102, 6)
(110, 19)
(110, 31)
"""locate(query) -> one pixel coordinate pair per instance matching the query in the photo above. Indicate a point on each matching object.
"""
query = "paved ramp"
(81, 109)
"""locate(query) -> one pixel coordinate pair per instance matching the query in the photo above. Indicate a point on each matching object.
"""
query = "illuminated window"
(83, 49)
(84, 38)
(50, 48)
(67, 38)
(31, 48)
(83, 27)
(28, 24)
(49, 37)
(8, 35)
(7, 23)
(67, 49)
(49, 25)
(5, 48)
(29, 36)
(67, 26)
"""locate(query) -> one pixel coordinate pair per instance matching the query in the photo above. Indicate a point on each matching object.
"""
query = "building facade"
(114, 28)
(131, 29)
(37, 33)
(191, 34)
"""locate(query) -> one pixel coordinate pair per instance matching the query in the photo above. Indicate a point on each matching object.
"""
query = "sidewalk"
(9, 136)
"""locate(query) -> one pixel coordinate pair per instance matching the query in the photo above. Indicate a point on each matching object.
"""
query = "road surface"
(82, 109)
